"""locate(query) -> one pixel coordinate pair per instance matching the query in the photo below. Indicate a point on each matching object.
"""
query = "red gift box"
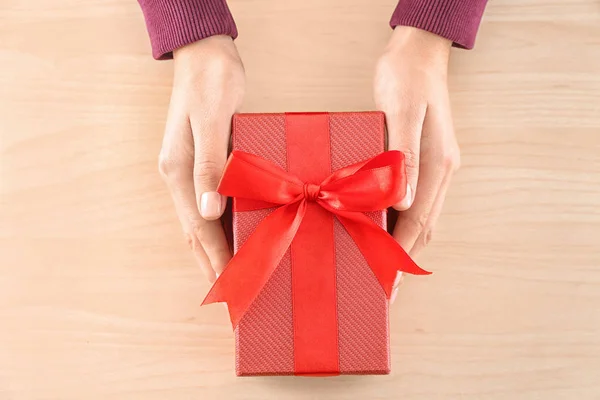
(321, 309)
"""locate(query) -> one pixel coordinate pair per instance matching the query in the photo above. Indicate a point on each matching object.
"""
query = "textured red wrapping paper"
(265, 335)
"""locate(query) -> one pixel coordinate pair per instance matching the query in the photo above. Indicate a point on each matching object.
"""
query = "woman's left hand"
(411, 89)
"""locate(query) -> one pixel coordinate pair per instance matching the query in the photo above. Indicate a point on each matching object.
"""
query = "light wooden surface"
(99, 297)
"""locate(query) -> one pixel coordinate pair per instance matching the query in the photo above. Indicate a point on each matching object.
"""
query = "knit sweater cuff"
(456, 20)
(173, 24)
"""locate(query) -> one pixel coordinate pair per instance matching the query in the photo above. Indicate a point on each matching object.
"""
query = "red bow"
(372, 185)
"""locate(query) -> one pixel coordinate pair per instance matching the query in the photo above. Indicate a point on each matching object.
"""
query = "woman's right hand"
(208, 89)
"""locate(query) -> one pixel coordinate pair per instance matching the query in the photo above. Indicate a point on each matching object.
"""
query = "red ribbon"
(372, 185)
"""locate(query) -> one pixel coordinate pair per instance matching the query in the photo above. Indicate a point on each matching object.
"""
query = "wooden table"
(99, 296)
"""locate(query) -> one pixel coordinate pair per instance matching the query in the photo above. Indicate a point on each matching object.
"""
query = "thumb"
(210, 155)
(404, 134)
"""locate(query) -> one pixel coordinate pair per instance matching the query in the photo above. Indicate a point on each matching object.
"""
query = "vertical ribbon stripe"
(312, 251)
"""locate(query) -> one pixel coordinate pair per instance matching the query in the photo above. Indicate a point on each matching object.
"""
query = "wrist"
(209, 54)
(420, 44)
(205, 49)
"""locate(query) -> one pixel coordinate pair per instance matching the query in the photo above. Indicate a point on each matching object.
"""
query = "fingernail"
(406, 202)
(399, 278)
(408, 198)
(394, 294)
(211, 205)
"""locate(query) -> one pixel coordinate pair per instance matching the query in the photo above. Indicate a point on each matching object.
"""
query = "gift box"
(314, 265)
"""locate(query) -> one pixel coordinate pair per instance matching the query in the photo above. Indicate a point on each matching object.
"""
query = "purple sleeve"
(174, 23)
(457, 20)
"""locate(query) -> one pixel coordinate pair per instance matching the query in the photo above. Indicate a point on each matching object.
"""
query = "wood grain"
(99, 298)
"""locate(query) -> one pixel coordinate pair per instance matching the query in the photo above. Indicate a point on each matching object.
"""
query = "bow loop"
(371, 185)
(251, 177)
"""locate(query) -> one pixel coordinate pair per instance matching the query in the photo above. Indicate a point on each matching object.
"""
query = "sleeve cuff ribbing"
(456, 20)
(172, 24)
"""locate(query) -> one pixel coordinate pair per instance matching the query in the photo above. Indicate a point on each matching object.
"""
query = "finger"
(404, 133)
(397, 282)
(393, 297)
(425, 236)
(210, 155)
(200, 254)
(399, 279)
(439, 158)
(175, 166)
(215, 244)
(412, 222)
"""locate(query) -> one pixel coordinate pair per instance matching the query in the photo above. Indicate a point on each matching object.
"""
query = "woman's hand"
(411, 89)
(208, 88)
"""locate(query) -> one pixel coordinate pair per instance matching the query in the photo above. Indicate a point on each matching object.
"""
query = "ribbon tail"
(383, 254)
(254, 263)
